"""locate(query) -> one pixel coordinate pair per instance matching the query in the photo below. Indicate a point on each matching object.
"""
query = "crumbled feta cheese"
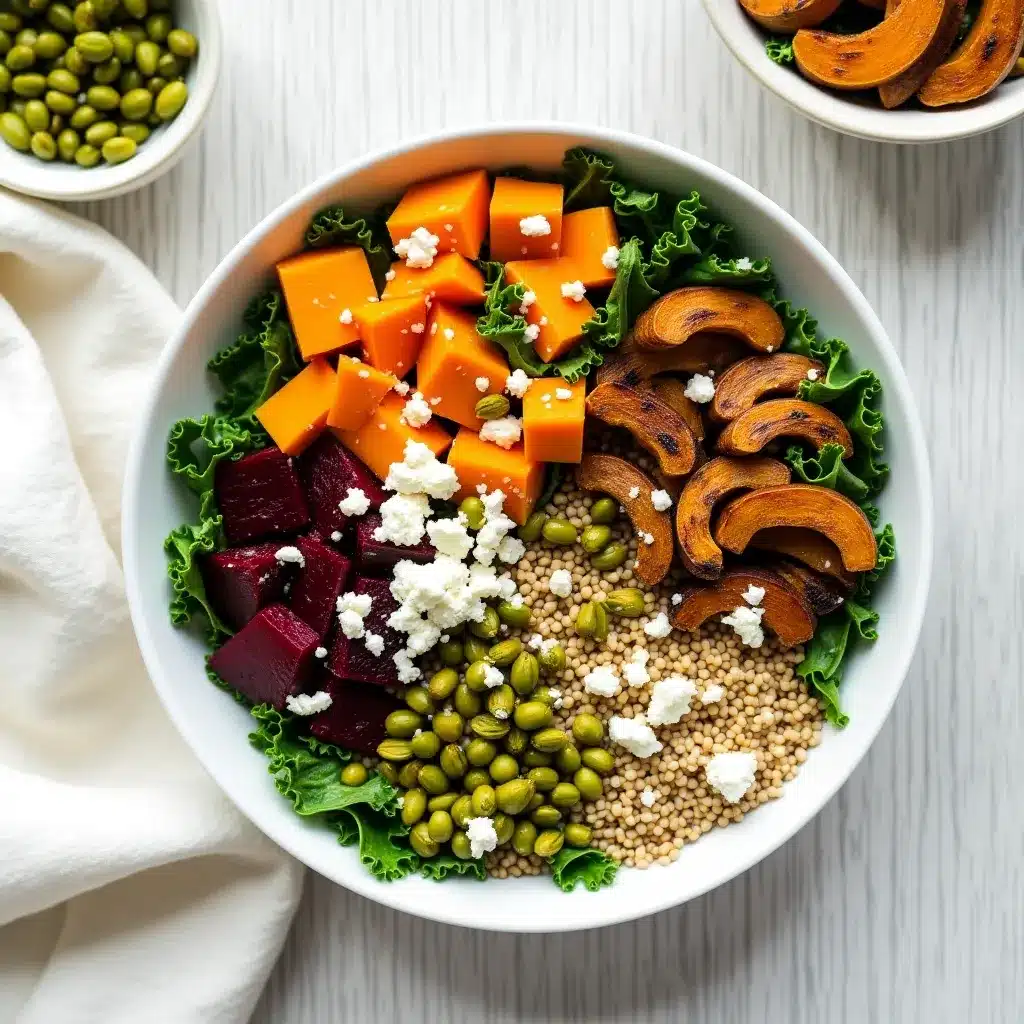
(658, 627)
(308, 703)
(610, 258)
(435, 401)
(732, 774)
(352, 609)
(401, 387)
(365, 374)
(648, 538)
(416, 412)
(419, 249)
(407, 671)
(542, 322)
(517, 383)
(320, 652)
(507, 590)
(753, 595)
(374, 644)
(812, 374)
(574, 290)
(670, 700)
(292, 554)
(482, 383)
(744, 263)
(700, 389)
(420, 473)
(482, 837)
(516, 600)
(346, 316)
(747, 624)
(450, 536)
(496, 526)
(661, 500)
(417, 328)
(547, 646)
(335, 536)
(529, 298)
(535, 641)
(712, 694)
(649, 797)
(403, 519)
(532, 332)
(493, 677)
(563, 394)
(481, 489)
(535, 227)
(503, 432)
(355, 503)
(510, 550)
(635, 670)
(634, 493)
(602, 681)
(500, 713)
(634, 734)
(560, 583)
(390, 276)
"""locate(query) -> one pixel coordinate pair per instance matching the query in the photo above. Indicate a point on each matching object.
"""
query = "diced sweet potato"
(259, 496)
(318, 287)
(553, 425)
(381, 439)
(514, 201)
(451, 278)
(378, 558)
(350, 659)
(560, 320)
(328, 470)
(480, 462)
(453, 358)
(295, 415)
(586, 237)
(315, 591)
(392, 332)
(268, 658)
(355, 719)
(453, 208)
(241, 581)
(360, 389)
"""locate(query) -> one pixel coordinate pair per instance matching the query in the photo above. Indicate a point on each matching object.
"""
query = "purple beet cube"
(270, 657)
(381, 557)
(260, 495)
(350, 659)
(355, 719)
(241, 581)
(328, 470)
(315, 591)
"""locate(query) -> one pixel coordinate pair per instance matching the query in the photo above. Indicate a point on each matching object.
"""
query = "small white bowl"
(216, 727)
(166, 145)
(861, 118)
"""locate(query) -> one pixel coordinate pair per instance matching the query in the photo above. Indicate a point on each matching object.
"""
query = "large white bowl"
(852, 116)
(216, 727)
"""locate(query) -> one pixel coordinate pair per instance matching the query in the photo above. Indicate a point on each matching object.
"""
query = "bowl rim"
(363, 883)
(833, 110)
(51, 180)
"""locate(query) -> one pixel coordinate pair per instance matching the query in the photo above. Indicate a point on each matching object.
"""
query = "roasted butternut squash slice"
(672, 391)
(819, 592)
(702, 352)
(676, 317)
(784, 417)
(789, 15)
(902, 87)
(983, 59)
(869, 59)
(786, 613)
(810, 548)
(653, 424)
(807, 505)
(617, 478)
(745, 383)
(711, 483)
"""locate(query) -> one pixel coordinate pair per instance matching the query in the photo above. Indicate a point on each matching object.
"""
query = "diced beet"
(260, 495)
(380, 557)
(241, 581)
(315, 591)
(355, 719)
(328, 470)
(350, 659)
(270, 657)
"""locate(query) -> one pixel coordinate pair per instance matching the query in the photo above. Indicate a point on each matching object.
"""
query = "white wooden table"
(904, 900)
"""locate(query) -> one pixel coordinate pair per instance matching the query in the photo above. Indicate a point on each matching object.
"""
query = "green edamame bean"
(44, 146)
(20, 58)
(501, 701)
(169, 67)
(420, 841)
(401, 723)
(158, 27)
(95, 47)
(147, 55)
(6, 42)
(394, 750)
(408, 774)
(138, 133)
(577, 835)
(505, 653)
(466, 701)
(16, 105)
(474, 779)
(516, 742)
(530, 531)
(27, 37)
(14, 131)
(137, 9)
(107, 72)
(504, 826)
(476, 676)
(559, 531)
(103, 97)
(442, 684)
(518, 615)
(604, 511)
(37, 116)
(545, 816)
(131, 79)
(454, 762)
(473, 510)
(599, 760)
(67, 144)
(514, 794)
(354, 774)
(451, 653)
(487, 628)
(440, 826)
(84, 116)
(384, 769)
(480, 753)
(448, 726)
(461, 846)
(56, 125)
(565, 794)
(182, 44)
(49, 45)
(414, 806)
(568, 759)
(462, 810)
(550, 740)
(544, 779)
(503, 769)
(524, 673)
(535, 801)
(30, 84)
(64, 81)
(536, 759)
(136, 33)
(60, 102)
(484, 801)
(552, 657)
(610, 558)
(9, 22)
(425, 745)
(587, 730)
(588, 783)
(60, 17)
(444, 802)
(124, 46)
(532, 715)
(104, 8)
(433, 780)
(475, 648)
(592, 621)
(523, 838)
(419, 700)
(487, 727)
(75, 62)
(491, 407)
(594, 538)
(136, 105)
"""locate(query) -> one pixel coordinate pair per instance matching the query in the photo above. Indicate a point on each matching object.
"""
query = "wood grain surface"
(904, 900)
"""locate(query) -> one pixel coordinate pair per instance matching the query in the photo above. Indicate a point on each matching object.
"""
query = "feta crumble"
(419, 249)
(560, 583)
(416, 412)
(610, 258)
(753, 595)
(511, 550)
(449, 334)
(712, 694)
(661, 500)
(658, 627)
(407, 670)
(563, 394)
(700, 389)
(401, 387)
(731, 774)
(352, 609)
(374, 644)
(481, 835)
(574, 290)
(503, 432)
(420, 473)
(493, 677)
(345, 316)
(482, 383)
(292, 554)
(390, 276)
(634, 493)
(532, 332)
(747, 624)
(602, 681)
(517, 384)
(364, 374)
(535, 227)
(320, 652)
(812, 374)
(634, 734)
(403, 519)
(308, 703)
(634, 672)
(529, 298)
(744, 263)
(355, 503)
(649, 797)
(648, 538)
(450, 536)
(670, 700)
(335, 536)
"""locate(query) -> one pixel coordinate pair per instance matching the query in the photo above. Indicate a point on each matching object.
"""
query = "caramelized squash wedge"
(983, 59)
(869, 59)
(784, 417)
(676, 317)
(809, 548)
(807, 505)
(789, 15)
(672, 391)
(617, 477)
(820, 593)
(714, 481)
(702, 352)
(745, 383)
(786, 613)
(654, 424)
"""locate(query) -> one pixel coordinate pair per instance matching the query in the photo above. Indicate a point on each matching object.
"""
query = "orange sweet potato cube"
(539, 205)
(360, 389)
(294, 415)
(559, 320)
(586, 237)
(382, 438)
(451, 278)
(553, 414)
(509, 470)
(454, 364)
(318, 288)
(392, 332)
(453, 208)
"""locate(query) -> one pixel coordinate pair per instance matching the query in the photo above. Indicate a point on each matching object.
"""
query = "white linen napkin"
(130, 888)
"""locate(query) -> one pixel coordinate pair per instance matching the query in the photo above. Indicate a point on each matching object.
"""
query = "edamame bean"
(158, 27)
(37, 116)
(84, 116)
(454, 762)
(587, 730)
(484, 801)
(532, 715)
(531, 530)
(64, 81)
(594, 538)
(523, 838)
(433, 780)
(559, 531)
(524, 673)
(14, 131)
(440, 826)
(487, 628)
(60, 102)
(480, 753)
(182, 44)
(425, 745)
(20, 58)
(49, 45)
(103, 97)
(599, 760)
(568, 759)
(420, 841)
(95, 47)
(604, 511)
(67, 144)
(44, 146)
(610, 558)
(578, 835)
(354, 774)
(401, 723)
(505, 653)
(503, 768)
(518, 615)
(30, 84)
(442, 684)
(466, 701)
(588, 783)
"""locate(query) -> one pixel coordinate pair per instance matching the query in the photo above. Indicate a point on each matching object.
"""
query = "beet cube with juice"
(328, 470)
(351, 659)
(381, 557)
(321, 578)
(260, 496)
(241, 581)
(355, 719)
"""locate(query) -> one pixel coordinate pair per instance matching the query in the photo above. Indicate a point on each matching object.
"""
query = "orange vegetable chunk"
(512, 202)
(553, 426)
(318, 287)
(361, 388)
(563, 318)
(453, 358)
(382, 438)
(586, 237)
(498, 469)
(392, 332)
(295, 414)
(453, 208)
(451, 278)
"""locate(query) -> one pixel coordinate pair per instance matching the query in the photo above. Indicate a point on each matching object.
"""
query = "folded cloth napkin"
(130, 888)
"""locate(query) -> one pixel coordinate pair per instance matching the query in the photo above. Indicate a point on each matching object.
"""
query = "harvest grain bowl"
(459, 682)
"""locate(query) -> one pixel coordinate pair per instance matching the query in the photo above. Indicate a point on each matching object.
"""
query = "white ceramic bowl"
(862, 118)
(157, 155)
(216, 727)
